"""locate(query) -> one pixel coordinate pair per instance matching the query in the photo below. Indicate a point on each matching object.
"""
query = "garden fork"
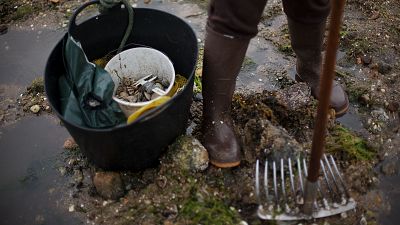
(303, 202)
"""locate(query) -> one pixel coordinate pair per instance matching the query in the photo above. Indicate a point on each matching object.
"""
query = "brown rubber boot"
(307, 42)
(223, 57)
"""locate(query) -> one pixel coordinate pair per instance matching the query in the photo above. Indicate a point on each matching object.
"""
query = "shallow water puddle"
(31, 188)
(24, 54)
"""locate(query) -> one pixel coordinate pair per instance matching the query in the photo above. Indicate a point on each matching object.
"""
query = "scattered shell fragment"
(35, 108)
(128, 91)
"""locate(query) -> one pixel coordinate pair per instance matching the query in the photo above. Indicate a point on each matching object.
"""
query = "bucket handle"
(72, 23)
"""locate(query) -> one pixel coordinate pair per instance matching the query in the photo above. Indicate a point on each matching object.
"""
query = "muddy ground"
(267, 101)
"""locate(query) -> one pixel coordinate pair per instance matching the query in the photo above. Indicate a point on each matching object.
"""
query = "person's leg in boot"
(307, 21)
(230, 26)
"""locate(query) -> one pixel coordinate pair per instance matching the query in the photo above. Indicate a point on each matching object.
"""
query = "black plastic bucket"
(139, 144)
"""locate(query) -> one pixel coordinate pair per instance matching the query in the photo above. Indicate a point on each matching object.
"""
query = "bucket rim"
(140, 104)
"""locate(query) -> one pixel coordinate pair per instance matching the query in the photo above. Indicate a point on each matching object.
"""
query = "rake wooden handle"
(326, 82)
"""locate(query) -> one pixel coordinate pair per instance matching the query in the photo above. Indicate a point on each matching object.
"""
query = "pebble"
(70, 144)
(109, 185)
(384, 68)
(161, 181)
(366, 59)
(364, 99)
(62, 170)
(71, 208)
(363, 221)
(198, 97)
(243, 223)
(35, 109)
(171, 212)
(78, 177)
(380, 114)
(393, 106)
(343, 215)
(190, 154)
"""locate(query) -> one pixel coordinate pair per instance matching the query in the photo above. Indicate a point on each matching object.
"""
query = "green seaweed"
(23, 11)
(351, 147)
(37, 86)
(199, 70)
(248, 62)
(208, 210)
(285, 48)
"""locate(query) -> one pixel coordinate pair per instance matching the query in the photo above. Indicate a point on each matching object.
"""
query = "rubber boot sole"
(225, 165)
(343, 111)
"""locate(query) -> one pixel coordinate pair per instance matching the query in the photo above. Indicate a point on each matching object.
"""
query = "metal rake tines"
(280, 190)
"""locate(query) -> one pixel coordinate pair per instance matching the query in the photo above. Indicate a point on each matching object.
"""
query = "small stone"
(62, 171)
(105, 203)
(243, 223)
(190, 154)
(71, 208)
(70, 144)
(380, 115)
(170, 212)
(161, 181)
(384, 68)
(146, 1)
(35, 109)
(393, 106)
(109, 185)
(383, 90)
(375, 180)
(366, 59)
(198, 97)
(72, 162)
(343, 215)
(364, 99)
(55, 1)
(363, 221)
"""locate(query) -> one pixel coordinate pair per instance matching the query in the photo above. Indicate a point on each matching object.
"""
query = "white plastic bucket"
(137, 63)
